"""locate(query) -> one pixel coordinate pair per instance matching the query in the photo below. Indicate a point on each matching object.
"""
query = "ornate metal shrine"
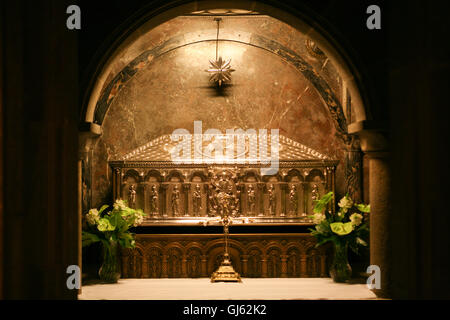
(189, 190)
(181, 192)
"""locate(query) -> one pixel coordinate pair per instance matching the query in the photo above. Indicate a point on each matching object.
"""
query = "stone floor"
(250, 288)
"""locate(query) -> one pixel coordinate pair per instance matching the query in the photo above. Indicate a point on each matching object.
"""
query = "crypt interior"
(286, 77)
(323, 109)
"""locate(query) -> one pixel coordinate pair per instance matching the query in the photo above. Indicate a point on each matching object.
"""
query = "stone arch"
(301, 21)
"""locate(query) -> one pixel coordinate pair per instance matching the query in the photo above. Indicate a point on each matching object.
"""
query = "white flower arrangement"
(112, 225)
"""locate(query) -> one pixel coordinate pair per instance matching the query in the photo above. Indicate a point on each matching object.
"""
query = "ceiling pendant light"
(220, 70)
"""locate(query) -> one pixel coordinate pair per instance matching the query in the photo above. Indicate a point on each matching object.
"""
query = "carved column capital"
(373, 136)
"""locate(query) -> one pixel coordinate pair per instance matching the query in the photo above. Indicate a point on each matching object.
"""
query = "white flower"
(318, 218)
(345, 203)
(356, 219)
(119, 205)
(92, 216)
(138, 220)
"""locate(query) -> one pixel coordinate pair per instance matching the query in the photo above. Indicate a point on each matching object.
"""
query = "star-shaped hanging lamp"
(220, 71)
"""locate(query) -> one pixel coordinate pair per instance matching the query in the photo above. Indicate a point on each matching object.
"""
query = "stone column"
(353, 169)
(375, 147)
(380, 204)
(331, 177)
(116, 183)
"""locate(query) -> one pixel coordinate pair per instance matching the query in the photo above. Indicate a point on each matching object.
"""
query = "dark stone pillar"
(40, 112)
(380, 190)
(374, 145)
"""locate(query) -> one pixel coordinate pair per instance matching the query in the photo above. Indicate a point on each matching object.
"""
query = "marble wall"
(173, 91)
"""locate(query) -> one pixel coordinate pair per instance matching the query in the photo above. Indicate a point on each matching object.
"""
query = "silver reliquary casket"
(273, 179)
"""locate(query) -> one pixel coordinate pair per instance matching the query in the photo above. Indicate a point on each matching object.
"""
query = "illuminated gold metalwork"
(227, 202)
(220, 70)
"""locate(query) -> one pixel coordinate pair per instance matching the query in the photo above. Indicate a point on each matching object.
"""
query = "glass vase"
(110, 270)
(340, 270)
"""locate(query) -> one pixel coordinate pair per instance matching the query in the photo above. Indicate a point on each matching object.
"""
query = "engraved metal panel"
(180, 192)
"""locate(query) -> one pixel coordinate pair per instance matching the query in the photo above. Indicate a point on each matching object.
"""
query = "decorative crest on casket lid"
(247, 147)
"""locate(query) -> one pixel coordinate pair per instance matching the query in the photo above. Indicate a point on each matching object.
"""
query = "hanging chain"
(217, 37)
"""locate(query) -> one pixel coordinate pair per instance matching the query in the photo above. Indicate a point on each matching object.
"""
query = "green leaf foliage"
(363, 207)
(87, 238)
(321, 204)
